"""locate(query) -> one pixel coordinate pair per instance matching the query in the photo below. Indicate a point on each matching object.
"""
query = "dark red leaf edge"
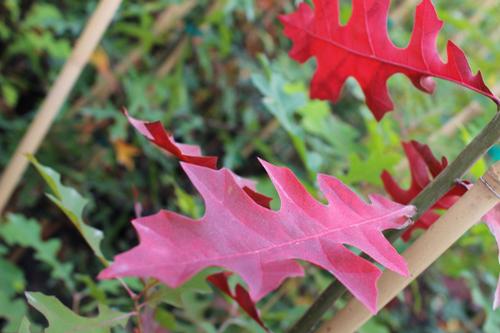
(423, 165)
(240, 295)
(156, 133)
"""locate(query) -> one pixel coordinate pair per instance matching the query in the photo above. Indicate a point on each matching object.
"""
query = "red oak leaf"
(240, 295)
(156, 133)
(262, 245)
(362, 49)
(423, 166)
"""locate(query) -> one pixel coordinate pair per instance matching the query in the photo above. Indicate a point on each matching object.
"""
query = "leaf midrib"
(398, 212)
(374, 57)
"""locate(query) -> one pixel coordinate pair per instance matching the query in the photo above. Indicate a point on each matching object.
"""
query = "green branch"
(435, 190)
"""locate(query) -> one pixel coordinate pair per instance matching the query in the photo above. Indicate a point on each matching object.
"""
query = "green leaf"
(42, 16)
(11, 282)
(381, 144)
(21, 231)
(283, 101)
(13, 311)
(373, 326)
(72, 204)
(12, 278)
(63, 320)
(186, 203)
(10, 94)
(318, 119)
(175, 296)
(98, 289)
(369, 169)
(491, 323)
(165, 318)
(25, 326)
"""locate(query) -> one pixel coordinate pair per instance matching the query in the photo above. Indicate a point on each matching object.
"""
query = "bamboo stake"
(428, 248)
(103, 88)
(85, 45)
(172, 58)
(423, 201)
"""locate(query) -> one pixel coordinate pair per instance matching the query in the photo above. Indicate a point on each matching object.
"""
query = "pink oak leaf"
(262, 245)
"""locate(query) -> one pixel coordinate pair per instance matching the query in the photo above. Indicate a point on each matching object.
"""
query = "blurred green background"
(217, 74)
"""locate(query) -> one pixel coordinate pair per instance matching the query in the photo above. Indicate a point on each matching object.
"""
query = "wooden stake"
(430, 246)
(40, 125)
(172, 58)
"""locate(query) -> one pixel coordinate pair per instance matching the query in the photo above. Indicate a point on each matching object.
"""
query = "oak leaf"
(423, 165)
(262, 245)
(62, 320)
(240, 295)
(362, 49)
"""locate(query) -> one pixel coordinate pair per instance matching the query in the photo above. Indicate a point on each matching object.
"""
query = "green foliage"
(21, 231)
(380, 154)
(179, 296)
(25, 326)
(238, 105)
(316, 134)
(283, 105)
(36, 35)
(317, 119)
(63, 320)
(72, 204)
(12, 281)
